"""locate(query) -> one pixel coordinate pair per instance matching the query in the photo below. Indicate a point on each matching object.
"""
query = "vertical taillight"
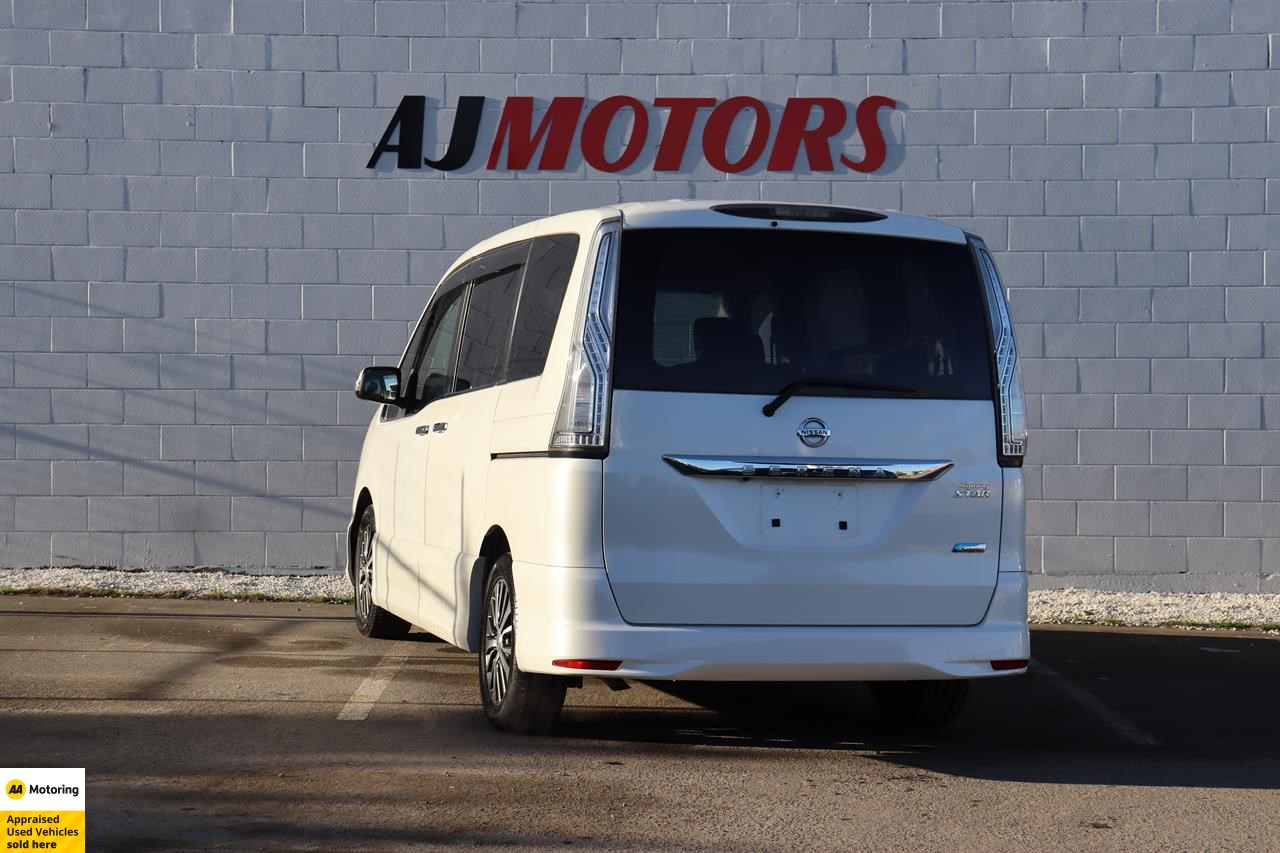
(1013, 405)
(583, 418)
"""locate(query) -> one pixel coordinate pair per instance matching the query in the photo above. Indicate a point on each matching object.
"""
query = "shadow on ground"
(1207, 701)
(223, 731)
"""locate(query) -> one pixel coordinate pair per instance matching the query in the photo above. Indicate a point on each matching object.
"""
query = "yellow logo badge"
(15, 789)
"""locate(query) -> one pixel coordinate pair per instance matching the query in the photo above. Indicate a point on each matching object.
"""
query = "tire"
(371, 620)
(920, 706)
(514, 700)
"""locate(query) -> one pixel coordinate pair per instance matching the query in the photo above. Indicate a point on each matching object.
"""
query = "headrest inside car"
(718, 340)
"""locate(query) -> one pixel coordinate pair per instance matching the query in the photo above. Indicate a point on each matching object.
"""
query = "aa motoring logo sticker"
(44, 809)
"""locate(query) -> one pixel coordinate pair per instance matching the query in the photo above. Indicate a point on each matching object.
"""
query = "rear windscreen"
(747, 311)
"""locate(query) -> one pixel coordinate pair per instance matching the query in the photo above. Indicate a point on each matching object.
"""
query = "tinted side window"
(495, 286)
(409, 363)
(545, 281)
(415, 344)
(434, 373)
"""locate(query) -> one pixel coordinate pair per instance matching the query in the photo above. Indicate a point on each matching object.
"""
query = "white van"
(706, 442)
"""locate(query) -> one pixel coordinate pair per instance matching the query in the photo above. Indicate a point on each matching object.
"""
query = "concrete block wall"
(194, 260)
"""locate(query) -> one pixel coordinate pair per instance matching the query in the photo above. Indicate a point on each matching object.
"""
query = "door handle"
(439, 426)
(422, 430)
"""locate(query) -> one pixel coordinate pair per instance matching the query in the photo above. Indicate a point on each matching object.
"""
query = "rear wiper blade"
(795, 387)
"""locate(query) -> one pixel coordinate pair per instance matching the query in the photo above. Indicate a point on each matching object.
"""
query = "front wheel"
(514, 700)
(372, 620)
(919, 705)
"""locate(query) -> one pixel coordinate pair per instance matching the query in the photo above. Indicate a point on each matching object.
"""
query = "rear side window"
(748, 311)
(545, 281)
(495, 287)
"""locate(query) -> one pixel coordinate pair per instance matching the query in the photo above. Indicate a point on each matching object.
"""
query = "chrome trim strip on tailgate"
(839, 469)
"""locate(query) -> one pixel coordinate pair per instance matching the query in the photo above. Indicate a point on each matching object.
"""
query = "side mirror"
(379, 385)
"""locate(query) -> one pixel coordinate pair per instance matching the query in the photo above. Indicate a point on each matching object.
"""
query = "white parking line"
(370, 690)
(1126, 727)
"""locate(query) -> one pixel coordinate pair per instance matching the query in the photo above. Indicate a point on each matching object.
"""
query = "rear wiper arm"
(795, 387)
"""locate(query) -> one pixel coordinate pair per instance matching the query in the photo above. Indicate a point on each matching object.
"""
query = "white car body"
(677, 574)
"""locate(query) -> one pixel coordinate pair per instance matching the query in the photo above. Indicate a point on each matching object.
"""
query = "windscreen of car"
(748, 311)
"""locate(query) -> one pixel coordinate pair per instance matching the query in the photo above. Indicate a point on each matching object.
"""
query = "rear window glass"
(748, 311)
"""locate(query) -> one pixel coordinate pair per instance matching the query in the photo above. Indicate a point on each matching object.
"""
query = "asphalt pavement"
(230, 725)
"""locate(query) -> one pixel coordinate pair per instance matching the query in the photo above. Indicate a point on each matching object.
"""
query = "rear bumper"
(570, 613)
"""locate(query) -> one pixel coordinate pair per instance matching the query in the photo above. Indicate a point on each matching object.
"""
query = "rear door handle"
(422, 430)
(439, 426)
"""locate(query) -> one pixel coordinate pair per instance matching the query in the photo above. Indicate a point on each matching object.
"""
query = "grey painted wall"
(194, 260)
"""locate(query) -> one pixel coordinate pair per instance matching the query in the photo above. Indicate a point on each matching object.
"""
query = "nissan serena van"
(693, 441)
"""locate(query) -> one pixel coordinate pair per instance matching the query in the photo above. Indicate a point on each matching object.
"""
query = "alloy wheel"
(364, 573)
(499, 640)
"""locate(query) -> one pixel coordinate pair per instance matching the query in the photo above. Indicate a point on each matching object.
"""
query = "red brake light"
(574, 663)
(1000, 665)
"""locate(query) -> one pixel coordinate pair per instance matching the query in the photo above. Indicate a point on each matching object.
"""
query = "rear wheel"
(372, 620)
(919, 705)
(514, 700)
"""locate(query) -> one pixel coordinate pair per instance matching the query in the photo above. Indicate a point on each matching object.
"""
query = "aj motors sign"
(735, 134)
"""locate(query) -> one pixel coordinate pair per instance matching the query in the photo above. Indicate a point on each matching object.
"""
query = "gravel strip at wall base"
(1215, 609)
(1059, 606)
(184, 584)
